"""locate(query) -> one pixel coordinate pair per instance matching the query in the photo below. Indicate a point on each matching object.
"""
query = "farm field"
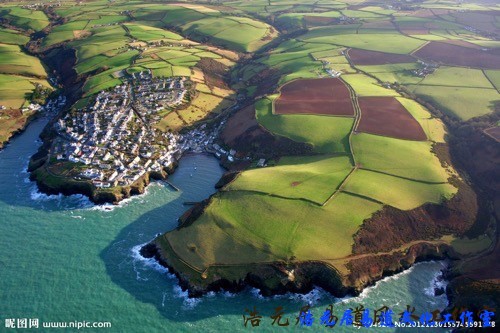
(364, 85)
(461, 102)
(394, 157)
(20, 73)
(319, 96)
(387, 116)
(433, 127)
(251, 34)
(404, 194)
(312, 178)
(394, 73)
(455, 55)
(326, 134)
(14, 61)
(494, 77)
(25, 19)
(457, 77)
(364, 57)
(270, 234)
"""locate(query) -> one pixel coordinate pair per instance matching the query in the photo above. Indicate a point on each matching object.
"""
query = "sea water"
(64, 259)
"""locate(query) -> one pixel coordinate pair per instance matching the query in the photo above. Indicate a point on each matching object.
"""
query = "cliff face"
(50, 184)
(300, 277)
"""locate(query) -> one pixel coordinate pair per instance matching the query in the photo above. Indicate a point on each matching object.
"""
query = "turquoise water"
(64, 259)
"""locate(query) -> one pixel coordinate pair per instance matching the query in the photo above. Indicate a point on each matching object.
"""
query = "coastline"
(111, 196)
(312, 274)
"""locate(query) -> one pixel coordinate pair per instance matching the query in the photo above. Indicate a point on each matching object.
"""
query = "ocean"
(65, 260)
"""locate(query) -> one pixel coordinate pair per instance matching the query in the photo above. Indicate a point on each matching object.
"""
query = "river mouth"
(65, 259)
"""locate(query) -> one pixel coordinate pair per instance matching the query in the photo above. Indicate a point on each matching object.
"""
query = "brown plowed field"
(463, 43)
(364, 57)
(329, 96)
(459, 56)
(386, 116)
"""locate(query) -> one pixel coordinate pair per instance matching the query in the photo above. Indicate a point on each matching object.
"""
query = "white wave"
(256, 293)
(149, 262)
(366, 292)
(125, 202)
(36, 195)
(310, 298)
(75, 201)
(437, 281)
(188, 303)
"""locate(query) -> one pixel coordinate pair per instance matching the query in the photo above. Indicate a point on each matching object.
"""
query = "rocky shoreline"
(307, 275)
(95, 195)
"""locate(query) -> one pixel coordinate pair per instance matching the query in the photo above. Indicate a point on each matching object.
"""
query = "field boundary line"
(340, 187)
(364, 197)
(402, 177)
(275, 196)
(492, 84)
(419, 48)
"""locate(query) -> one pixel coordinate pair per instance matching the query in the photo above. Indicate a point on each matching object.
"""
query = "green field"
(399, 73)
(460, 102)
(276, 230)
(8, 36)
(494, 77)
(326, 134)
(313, 178)
(148, 33)
(457, 77)
(397, 157)
(397, 192)
(249, 38)
(15, 89)
(392, 43)
(364, 85)
(14, 61)
(24, 18)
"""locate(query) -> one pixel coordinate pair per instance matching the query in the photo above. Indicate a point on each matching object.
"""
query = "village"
(113, 140)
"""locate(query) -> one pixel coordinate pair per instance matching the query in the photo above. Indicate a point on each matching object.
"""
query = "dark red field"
(463, 43)
(364, 57)
(329, 96)
(386, 116)
(458, 56)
